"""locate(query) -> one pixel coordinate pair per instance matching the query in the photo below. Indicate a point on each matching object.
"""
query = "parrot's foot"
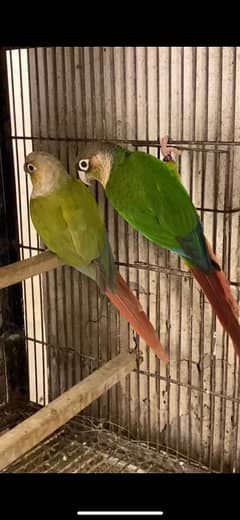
(168, 150)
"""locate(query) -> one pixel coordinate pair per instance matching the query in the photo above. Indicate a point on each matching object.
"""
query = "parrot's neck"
(112, 159)
(102, 165)
(44, 185)
(103, 161)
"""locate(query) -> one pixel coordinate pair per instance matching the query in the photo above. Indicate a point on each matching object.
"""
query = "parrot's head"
(46, 172)
(95, 161)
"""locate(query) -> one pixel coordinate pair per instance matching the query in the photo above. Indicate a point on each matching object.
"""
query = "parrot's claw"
(168, 150)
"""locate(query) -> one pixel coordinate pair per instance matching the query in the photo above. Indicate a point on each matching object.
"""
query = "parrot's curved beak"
(83, 177)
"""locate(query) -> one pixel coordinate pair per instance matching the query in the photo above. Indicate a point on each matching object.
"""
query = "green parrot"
(67, 218)
(148, 194)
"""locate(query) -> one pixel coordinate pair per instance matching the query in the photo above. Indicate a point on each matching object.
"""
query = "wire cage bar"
(61, 96)
(13, 359)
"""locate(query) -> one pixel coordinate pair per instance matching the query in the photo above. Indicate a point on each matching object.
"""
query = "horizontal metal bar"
(67, 350)
(164, 270)
(199, 389)
(31, 248)
(18, 271)
(217, 210)
(182, 145)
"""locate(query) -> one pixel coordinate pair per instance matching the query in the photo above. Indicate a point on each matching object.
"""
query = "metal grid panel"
(85, 445)
(18, 78)
(136, 95)
(3, 389)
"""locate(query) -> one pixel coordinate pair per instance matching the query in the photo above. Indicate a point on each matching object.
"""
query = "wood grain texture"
(33, 430)
(18, 271)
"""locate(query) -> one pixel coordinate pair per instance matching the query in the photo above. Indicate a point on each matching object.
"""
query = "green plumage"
(150, 196)
(70, 224)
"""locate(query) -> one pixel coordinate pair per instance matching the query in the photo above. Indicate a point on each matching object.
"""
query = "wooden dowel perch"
(33, 430)
(18, 271)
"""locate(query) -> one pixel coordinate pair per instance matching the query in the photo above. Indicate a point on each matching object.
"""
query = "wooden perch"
(33, 430)
(18, 271)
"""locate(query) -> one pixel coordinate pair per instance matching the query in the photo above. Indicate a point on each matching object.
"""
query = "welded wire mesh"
(87, 445)
(3, 390)
(60, 96)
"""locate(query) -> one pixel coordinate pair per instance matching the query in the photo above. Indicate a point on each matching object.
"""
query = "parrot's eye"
(30, 168)
(84, 164)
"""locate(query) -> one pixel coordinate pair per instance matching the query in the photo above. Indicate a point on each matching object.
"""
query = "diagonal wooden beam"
(18, 271)
(36, 428)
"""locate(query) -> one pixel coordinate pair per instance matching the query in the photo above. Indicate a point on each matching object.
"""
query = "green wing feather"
(150, 196)
(70, 224)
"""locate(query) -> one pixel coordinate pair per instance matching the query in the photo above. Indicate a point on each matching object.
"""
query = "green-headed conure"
(67, 218)
(149, 195)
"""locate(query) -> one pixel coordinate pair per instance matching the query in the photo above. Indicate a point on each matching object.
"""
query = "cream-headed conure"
(67, 218)
(149, 195)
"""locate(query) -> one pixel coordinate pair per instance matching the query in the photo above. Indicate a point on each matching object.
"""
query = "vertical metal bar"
(40, 129)
(49, 287)
(202, 305)
(24, 148)
(124, 95)
(28, 218)
(178, 353)
(227, 256)
(14, 131)
(200, 365)
(56, 96)
(83, 91)
(117, 389)
(168, 278)
(169, 89)
(105, 403)
(113, 85)
(190, 364)
(136, 247)
(64, 324)
(73, 361)
(236, 387)
(73, 94)
(11, 299)
(125, 402)
(229, 180)
(40, 278)
(46, 91)
(49, 353)
(157, 254)
(56, 353)
(129, 379)
(213, 326)
(147, 273)
(93, 95)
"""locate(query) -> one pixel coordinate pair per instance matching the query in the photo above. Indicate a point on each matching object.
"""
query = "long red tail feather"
(218, 292)
(129, 307)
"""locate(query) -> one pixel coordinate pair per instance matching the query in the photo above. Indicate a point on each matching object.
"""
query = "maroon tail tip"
(129, 307)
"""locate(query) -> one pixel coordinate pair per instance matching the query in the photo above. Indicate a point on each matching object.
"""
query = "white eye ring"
(31, 168)
(84, 165)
